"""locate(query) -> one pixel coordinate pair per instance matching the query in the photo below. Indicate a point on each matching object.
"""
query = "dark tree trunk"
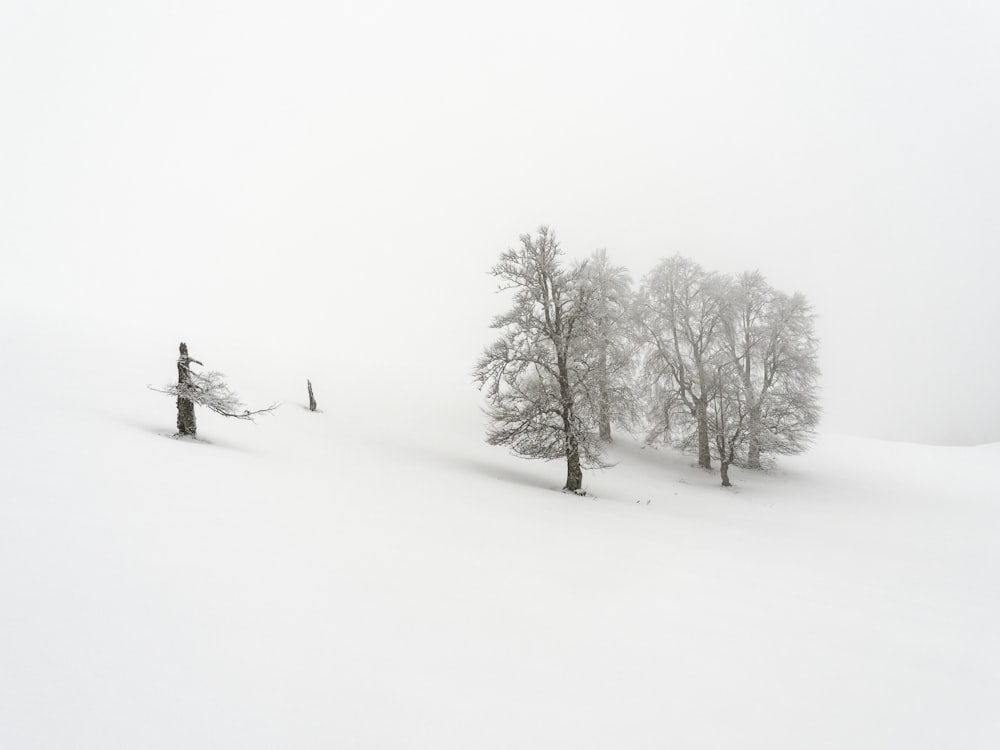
(186, 424)
(704, 454)
(312, 399)
(753, 452)
(574, 474)
(753, 439)
(724, 471)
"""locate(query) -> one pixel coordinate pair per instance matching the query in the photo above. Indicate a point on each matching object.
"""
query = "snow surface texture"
(375, 576)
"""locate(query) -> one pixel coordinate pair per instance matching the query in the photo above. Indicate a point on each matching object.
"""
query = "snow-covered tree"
(539, 375)
(771, 340)
(728, 417)
(208, 389)
(612, 342)
(679, 309)
(726, 367)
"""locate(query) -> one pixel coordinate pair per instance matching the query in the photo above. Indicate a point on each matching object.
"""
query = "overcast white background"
(341, 175)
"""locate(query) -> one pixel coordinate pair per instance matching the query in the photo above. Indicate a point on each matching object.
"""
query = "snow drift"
(374, 576)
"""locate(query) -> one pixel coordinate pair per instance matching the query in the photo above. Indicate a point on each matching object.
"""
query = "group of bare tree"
(723, 366)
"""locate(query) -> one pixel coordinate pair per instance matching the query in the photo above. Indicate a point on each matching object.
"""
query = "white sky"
(344, 174)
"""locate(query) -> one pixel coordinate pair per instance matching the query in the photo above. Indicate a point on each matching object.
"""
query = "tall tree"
(680, 310)
(770, 339)
(790, 409)
(728, 418)
(539, 374)
(609, 331)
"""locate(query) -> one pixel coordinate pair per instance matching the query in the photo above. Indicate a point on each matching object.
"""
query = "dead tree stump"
(186, 424)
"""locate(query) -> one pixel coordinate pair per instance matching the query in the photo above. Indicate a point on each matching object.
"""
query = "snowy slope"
(374, 576)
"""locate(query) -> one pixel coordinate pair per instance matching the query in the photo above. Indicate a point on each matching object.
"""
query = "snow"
(375, 576)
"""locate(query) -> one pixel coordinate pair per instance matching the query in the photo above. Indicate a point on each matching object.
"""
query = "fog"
(341, 176)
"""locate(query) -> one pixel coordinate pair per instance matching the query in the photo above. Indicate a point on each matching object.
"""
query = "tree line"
(723, 366)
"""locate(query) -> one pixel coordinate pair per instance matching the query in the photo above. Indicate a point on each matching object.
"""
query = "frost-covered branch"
(208, 389)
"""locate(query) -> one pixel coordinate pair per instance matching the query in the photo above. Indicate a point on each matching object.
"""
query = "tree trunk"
(753, 439)
(704, 454)
(753, 450)
(724, 471)
(312, 400)
(186, 424)
(603, 396)
(574, 474)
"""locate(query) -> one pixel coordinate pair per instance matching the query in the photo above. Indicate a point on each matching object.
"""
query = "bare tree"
(790, 411)
(208, 389)
(770, 339)
(539, 375)
(728, 417)
(680, 311)
(612, 342)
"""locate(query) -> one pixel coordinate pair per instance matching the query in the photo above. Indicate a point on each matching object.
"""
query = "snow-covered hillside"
(375, 576)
